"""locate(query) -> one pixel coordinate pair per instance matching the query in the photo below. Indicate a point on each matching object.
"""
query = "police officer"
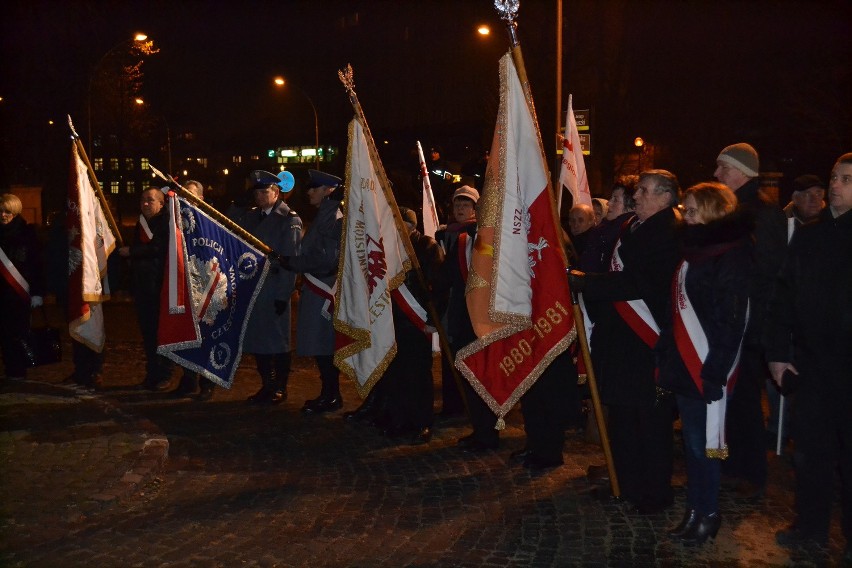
(267, 334)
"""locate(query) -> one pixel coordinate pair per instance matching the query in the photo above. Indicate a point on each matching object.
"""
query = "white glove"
(36, 301)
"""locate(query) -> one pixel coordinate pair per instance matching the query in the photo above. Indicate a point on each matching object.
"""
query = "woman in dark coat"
(21, 285)
(698, 351)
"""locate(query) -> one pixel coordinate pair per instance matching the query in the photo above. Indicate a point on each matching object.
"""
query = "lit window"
(99, 164)
(131, 187)
(113, 164)
(237, 159)
(113, 186)
(128, 164)
(202, 161)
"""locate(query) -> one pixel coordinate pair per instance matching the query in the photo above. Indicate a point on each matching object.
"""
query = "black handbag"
(42, 345)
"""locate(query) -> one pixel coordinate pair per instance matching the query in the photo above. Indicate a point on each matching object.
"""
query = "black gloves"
(280, 307)
(338, 193)
(284, 261)
(712, 391)
(576, 280)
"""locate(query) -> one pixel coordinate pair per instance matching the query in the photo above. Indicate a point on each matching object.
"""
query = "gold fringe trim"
(717, 453)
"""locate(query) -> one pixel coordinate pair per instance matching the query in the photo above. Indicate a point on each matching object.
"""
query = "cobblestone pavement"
(124, 478)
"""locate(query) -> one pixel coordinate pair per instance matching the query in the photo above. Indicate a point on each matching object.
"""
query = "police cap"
(319, 179)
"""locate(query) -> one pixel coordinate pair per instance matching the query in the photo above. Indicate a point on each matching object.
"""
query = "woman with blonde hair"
(21, 286)
(698, 351)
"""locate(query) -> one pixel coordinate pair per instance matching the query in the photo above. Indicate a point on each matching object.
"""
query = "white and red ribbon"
(325, 292)
(693, 346)
(15, 279)
(406, 301)
(147, 234)
(635, 313)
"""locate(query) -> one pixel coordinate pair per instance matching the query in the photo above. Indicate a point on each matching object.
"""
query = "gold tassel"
(501, 424)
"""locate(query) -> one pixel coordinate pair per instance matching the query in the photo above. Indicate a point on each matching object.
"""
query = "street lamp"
(640, 149)
(140, 40)
(140, 101)
(281, 82)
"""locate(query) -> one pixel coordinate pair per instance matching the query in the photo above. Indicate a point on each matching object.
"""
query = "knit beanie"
(741, 156)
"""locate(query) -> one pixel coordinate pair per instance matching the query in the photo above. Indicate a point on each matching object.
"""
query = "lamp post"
(139, 39)
(140, 101)
(280, 82)
(640, 149)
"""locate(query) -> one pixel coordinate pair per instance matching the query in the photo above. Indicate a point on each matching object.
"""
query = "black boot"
(690, 517)
(706, 528)
(206, 391)
(282, 374)
(364, 412)
(267, 378)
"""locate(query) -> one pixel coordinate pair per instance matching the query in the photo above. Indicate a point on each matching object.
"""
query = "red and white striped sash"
(15, 279)
(635, 313)
(322, 290)
(406, 302)
(146, 234)
(693, 347)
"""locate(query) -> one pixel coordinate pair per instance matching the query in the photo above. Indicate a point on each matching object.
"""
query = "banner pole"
(96, 186)
(346, 77)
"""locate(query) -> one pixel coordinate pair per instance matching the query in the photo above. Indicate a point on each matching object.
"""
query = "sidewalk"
(124, 477)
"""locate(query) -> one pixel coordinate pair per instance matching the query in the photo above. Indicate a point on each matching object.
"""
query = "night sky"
(688, 76)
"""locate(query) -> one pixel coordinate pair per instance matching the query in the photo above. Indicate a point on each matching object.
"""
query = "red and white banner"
(90, 242)
(373, 263)
(517, 288)
(430, 212)
(178, 323)
(693, 346)
(572, 172)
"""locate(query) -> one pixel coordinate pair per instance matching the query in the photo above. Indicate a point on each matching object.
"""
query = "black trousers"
(643, 449)
(87, 363)
(546, 407)
(482, 418)
(823, 434)
(329, 375)
(157, 367)
(745, 428)
(14, 326)
(408, 381)
(274, 369)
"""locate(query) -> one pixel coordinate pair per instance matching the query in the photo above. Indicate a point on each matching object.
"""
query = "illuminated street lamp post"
(139, 38)
(280, 82)
(640, 149)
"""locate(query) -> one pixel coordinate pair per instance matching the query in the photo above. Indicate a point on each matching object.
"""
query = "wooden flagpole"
(508, 10)
(97, 186)
(346, 77)
(213, 212)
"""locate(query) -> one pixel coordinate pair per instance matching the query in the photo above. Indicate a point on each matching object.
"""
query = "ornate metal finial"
(507, 9)
(71, 126)
(158, 172)
(347, 78)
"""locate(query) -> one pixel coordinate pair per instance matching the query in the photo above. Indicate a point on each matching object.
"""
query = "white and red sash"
(322, 290)
(635, 313)
(146, 234)
(15, 279)
(405, 301)
(693, 347)
(465, 249)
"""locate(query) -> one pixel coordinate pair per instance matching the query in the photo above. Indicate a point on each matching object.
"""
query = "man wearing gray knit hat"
(738, 167)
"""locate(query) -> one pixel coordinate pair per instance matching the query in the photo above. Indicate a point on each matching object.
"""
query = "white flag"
(430, 214)
(90, 242)
(572, 172)
(373, 263)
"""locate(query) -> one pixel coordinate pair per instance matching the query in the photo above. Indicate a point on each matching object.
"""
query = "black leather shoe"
(793, 536)
(473, 445)
(323, 404)
(361, 414)
(518, 456)
(705, 529)
(690, 517)
(205, 394)
(260, 397)
(424, 436)
(536, 462)
(278, 397)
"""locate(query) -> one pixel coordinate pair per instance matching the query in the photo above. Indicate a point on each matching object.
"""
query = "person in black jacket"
(147, 255)
(699, 346)
(21, 286)
(746, 466)
(808, 338)
(631, 301)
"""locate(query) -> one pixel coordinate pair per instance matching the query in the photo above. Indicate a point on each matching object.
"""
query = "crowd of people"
(697, 302)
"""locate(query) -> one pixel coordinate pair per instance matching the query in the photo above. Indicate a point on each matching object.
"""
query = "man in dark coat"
(808, 338)
(738, 167)
(630, 306)
(147, 256)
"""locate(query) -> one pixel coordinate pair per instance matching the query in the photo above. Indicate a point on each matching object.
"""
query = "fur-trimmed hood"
(718, 236)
